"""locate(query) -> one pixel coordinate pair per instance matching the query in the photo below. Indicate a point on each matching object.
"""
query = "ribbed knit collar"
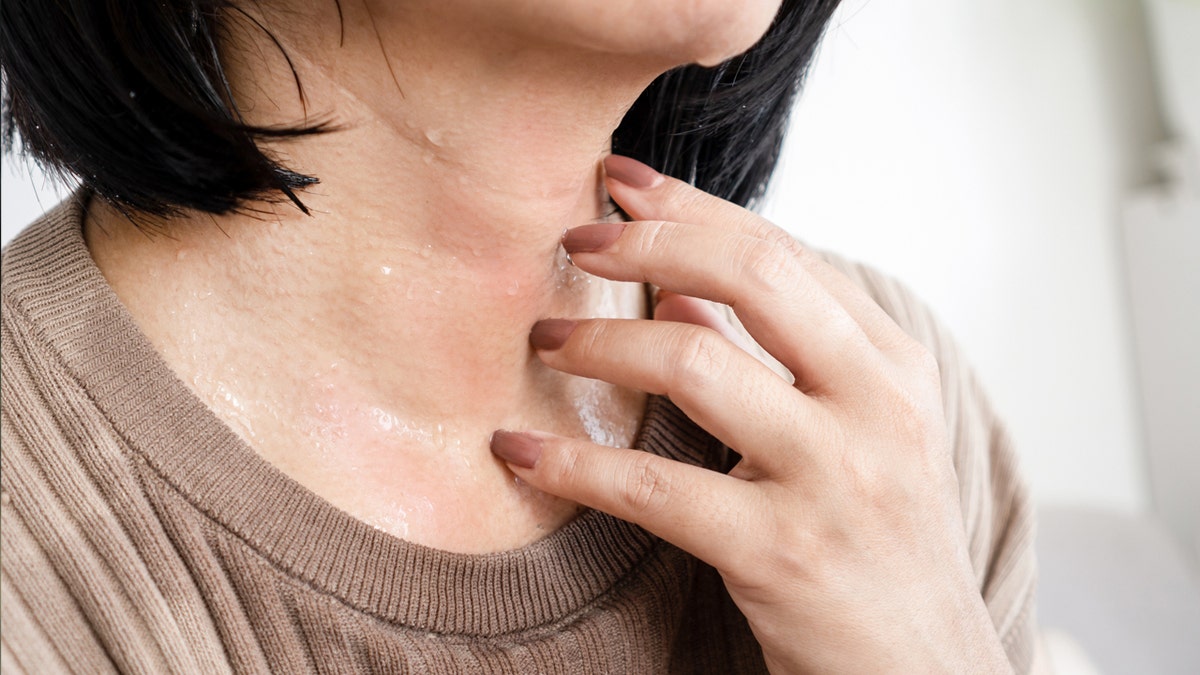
(53, 282)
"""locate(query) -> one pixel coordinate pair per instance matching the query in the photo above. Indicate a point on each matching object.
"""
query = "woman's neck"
(393, 321)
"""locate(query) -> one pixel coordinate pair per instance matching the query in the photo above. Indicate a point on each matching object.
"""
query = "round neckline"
(177, 436)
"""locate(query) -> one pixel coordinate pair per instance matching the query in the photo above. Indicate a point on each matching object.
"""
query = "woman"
(293, 382)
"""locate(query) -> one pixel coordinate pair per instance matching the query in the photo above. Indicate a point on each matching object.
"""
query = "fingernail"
(516, 448)
(631, 172)
(590, 238)
(550, 334)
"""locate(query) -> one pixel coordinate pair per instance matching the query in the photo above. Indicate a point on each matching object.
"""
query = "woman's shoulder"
(50, 419)
(40, 264)
(42, 300)
(55, 437)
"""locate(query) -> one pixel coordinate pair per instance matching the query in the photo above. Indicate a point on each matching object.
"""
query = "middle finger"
(782, 305)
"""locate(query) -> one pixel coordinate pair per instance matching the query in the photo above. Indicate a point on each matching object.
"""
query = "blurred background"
(1032, 169)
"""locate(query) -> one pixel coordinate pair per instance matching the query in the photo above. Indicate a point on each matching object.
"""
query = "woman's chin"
(729, 33)
(677, 32)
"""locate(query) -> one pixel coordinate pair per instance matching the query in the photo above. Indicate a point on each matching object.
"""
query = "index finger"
(648, 195)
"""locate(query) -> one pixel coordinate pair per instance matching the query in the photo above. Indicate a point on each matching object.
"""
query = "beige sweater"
(140, 534)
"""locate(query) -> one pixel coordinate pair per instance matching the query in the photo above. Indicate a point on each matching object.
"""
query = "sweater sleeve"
(996, 506)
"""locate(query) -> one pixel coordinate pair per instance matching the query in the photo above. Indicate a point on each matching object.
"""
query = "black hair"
(130, 97)
(722, 128)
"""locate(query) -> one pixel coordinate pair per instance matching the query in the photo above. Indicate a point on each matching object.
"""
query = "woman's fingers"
(700, 511)
(669, 306)
(784, 308)
(648, 195)
(733, 395)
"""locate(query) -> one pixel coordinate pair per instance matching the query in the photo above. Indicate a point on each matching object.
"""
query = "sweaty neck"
(347, 344)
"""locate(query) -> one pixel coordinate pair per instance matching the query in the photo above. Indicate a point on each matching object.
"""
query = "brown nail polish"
(631, 172)
(591, 238)
(516, 448)
(550, 334)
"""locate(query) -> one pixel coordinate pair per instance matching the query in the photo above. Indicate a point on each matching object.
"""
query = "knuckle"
(646, 487)
(924, 367)
(927, 365)
(786, 242)
(701, 359)
(656, 236)
(921, 357)
(770, 268)
(687, 199)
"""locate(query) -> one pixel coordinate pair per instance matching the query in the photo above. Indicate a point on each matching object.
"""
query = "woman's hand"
(839, 534)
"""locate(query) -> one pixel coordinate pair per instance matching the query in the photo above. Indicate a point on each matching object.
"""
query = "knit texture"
(140, 534)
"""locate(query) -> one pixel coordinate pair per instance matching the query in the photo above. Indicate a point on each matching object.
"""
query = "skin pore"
(370, 349)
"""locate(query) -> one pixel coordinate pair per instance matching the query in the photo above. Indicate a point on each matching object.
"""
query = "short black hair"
(722, 128)
(130, 97)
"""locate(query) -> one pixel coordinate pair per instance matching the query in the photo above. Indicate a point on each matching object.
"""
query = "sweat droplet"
(382, 278)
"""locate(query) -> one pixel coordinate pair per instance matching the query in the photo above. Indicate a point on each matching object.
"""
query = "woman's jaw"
(669, 32)
(460, 114)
